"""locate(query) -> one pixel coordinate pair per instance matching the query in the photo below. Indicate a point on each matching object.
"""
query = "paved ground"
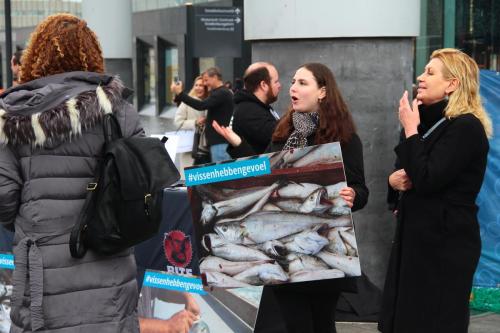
(480, 323)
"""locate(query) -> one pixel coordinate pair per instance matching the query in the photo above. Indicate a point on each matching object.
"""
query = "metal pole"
(8, 42)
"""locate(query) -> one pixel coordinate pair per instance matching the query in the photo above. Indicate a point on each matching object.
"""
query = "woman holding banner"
(441, 161)
(317, 115)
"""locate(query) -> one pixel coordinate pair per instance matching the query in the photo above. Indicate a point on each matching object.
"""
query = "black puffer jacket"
(253, 121)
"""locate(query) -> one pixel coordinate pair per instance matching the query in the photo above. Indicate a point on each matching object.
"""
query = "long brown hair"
(61, 43)
(335, 120)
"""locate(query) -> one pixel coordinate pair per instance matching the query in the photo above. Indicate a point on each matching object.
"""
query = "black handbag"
(123, 205)
(199, 151)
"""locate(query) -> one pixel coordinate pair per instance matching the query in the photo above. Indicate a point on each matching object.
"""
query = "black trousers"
(284, 310)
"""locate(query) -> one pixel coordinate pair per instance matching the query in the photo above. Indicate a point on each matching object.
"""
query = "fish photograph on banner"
(6, 270)
(274, 218)
(168, 276)
(170, 299)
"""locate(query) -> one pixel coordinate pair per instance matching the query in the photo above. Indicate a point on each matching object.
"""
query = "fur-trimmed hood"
(58, 107)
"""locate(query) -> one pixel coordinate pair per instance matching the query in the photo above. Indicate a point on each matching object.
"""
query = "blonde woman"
(187, 118)
(442, 160)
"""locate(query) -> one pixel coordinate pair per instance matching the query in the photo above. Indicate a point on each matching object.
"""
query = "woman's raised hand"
(408, 115)
(228, 134)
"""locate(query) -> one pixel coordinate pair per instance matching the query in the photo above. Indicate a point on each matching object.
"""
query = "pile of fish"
(285, 232)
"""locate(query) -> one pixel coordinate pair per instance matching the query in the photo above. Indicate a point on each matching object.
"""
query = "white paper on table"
(170, 145)
(185, 140)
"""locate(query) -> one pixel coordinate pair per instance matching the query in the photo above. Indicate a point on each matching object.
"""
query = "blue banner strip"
(228, 171)
(173, 282)
(6, 261)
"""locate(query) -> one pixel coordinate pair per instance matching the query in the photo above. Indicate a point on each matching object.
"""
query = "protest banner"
(274, 218)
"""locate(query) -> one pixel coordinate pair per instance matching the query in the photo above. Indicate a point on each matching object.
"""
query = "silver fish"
(307, 242)
(316, 275)
(217, 279)
(339, 207)
(257, 207)
(233, 205)
(334, 190)
(212, 240)
(297, 190)
(265, 273)
(324, 154)
(350, 241)
(316, 202)
(273, 248)
(305, 263)
(349, 265)
(268, 207)
(286, 158)
(215, 264)
(237, 252)
(263, 226)
(351, 251)
(336, 244)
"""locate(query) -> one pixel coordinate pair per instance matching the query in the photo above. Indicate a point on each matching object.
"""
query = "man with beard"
(254, 118)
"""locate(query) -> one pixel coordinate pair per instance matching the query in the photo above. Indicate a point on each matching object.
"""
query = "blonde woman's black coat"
(437, 243)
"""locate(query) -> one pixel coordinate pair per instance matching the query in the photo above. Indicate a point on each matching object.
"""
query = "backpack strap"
(112, 131)
(77, 236)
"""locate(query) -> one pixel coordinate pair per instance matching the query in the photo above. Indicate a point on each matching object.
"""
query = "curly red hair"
(61, 43)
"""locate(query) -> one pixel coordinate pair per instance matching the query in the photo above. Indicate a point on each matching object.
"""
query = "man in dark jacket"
(219, 106)
(254, 119)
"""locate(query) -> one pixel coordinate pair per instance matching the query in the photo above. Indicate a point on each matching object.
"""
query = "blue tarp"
(488, 270)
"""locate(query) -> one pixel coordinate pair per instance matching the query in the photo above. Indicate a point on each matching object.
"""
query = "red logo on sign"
(178, 249)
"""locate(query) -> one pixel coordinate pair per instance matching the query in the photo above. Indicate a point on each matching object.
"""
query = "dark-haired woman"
(317, 115)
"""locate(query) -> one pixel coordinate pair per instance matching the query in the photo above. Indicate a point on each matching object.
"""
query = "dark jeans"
(287, 311)
(6, 237)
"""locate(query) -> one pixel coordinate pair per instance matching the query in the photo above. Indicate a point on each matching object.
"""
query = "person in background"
(440, 169)
(15, 65)
(50, 141)
(219, 106)
(317, 115)
(229, 85)
(187, 118)
(254, 119)
(238, 84)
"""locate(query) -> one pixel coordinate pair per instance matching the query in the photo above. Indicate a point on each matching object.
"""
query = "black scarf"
(304, 124)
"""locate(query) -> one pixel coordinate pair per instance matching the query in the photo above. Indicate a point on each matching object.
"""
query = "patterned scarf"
(304, 124)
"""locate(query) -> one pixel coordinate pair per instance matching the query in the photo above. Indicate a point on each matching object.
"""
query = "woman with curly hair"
(50, 141)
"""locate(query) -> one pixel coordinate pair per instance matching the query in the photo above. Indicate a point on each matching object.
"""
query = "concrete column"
(422, 56)
(449, 23)
(371, 56)
(160, 75)
(114, 32)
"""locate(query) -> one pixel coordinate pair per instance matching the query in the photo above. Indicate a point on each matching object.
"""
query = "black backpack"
(123, 204)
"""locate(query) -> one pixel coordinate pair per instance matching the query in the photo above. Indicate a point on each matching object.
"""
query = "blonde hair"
(466, 98)
(192, 92)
